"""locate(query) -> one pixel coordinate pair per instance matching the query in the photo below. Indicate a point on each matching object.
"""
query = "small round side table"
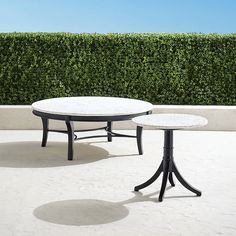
(169, 123)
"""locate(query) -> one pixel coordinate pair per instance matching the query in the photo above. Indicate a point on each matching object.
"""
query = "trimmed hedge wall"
(160, 68)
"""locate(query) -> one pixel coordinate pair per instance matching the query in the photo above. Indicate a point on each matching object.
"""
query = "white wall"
(220, 118)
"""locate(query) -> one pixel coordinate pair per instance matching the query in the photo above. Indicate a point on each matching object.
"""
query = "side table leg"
(151, 180)
(184, 182)
(70, 131)
(45, 131)
(164, 179)
(139, 131)
(109, 130)
(171, 179)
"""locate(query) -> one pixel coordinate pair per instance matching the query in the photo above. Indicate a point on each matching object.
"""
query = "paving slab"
(41, 193)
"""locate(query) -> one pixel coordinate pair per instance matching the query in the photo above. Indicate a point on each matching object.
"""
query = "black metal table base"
(73, 137)
(168, 167)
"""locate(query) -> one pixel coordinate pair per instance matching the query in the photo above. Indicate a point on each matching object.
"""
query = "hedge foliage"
(160, 68)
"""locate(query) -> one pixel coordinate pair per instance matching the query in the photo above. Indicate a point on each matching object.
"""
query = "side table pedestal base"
(168, 167)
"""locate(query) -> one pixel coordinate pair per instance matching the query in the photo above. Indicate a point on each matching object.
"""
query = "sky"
(121, 16)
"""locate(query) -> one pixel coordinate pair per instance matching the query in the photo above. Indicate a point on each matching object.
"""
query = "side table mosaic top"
(171, 121)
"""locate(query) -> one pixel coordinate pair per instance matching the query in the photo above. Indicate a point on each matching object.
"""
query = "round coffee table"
(90, 109)
(169, 123)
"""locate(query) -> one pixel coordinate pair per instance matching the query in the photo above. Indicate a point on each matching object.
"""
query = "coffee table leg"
(70, 132)
(45, 131)
(139, 131)
(109, 130)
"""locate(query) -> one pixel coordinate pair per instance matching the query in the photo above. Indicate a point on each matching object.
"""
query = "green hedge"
(160, 68)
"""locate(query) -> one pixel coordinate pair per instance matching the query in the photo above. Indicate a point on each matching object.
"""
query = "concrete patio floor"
(43, 194)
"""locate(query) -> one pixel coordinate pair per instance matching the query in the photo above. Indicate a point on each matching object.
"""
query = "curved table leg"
(171, 179)
(109, 129)
(70, 131)
(151, 180)
(164, 179)
(45, 131)
(139, 131)
(184, 182)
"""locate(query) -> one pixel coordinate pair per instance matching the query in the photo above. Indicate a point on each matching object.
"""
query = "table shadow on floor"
(32, 155)
(79, 212)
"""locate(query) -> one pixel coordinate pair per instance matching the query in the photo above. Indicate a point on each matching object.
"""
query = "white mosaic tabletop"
(92, 106)
(171, 121)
